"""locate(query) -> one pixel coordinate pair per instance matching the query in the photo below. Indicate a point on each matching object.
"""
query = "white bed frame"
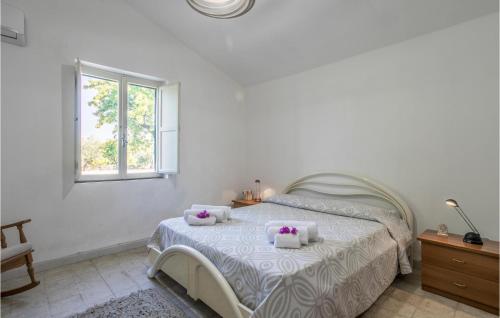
(204, 281)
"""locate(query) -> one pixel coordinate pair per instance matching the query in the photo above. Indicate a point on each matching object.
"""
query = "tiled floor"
(405, 298)
(73, 288)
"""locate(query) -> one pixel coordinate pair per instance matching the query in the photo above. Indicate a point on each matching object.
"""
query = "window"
(126, 125)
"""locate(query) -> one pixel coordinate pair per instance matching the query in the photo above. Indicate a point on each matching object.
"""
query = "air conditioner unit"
(13, 25)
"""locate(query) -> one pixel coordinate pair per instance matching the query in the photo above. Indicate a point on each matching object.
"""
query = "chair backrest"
(4, 242)
(19, 225)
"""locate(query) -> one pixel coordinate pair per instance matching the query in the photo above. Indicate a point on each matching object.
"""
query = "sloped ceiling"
(282, 37)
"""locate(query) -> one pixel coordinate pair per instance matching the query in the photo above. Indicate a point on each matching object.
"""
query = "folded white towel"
(302, 233)
(193, 220)
(286, 241)
(227, 209)
(312, 227)
(220, 215)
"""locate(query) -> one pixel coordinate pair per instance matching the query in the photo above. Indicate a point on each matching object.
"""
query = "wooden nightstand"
(242, 203)
(464, 272)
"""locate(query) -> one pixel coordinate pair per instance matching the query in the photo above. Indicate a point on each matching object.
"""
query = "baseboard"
(75, 258)
(86, 255)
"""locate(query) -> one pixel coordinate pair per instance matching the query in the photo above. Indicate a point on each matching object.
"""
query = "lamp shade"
(452, 203)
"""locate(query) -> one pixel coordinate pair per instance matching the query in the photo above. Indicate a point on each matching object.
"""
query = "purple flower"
(285, 230)
(203, 214)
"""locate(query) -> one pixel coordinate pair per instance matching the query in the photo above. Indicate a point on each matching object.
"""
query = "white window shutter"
(167, 150)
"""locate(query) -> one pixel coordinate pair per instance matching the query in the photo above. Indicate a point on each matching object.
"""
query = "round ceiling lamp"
(222, 9)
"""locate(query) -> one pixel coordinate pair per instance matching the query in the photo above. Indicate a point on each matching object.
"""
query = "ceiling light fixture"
(222, 9)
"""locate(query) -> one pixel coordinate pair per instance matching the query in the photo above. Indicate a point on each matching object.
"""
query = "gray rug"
(153, 302)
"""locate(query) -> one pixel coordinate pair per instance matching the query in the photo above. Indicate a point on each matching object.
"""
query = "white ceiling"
(282, 37)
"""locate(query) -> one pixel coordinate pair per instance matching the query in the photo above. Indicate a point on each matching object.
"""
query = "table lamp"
(470, 237)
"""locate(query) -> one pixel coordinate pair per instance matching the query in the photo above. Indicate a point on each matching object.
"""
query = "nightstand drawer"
(481, 266)
(469, 287)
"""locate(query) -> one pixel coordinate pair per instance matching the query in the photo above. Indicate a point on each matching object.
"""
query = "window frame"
(123, 79)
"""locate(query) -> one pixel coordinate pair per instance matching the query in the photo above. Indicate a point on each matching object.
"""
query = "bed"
(366, 237)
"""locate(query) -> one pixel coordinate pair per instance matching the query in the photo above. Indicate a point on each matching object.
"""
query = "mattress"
(359, 254)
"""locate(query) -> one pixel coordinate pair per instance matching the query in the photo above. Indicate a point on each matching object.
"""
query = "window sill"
(90, 179)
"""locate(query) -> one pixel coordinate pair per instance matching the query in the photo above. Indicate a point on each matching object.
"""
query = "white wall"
(68, 218)
(420, 116)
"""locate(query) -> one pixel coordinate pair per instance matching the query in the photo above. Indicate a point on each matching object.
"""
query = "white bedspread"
(340, 276)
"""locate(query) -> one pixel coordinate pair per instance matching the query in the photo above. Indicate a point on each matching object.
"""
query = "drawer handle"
(460, 285)
(456, 260)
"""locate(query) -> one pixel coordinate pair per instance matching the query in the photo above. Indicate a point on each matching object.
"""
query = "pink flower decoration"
(294, 231)
(203, 214)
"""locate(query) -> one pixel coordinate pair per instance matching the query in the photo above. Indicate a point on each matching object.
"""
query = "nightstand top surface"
(489, 247)
(247, 202)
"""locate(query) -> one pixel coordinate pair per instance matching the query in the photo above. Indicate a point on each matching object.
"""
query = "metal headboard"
(350, 186)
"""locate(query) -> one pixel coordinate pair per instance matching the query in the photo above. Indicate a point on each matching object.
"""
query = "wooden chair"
(17, 255)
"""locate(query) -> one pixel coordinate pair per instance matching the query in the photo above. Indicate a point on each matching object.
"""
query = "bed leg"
(151, 273)
(158, 263)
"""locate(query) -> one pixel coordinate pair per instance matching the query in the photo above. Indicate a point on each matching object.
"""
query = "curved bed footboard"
(200, 277)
